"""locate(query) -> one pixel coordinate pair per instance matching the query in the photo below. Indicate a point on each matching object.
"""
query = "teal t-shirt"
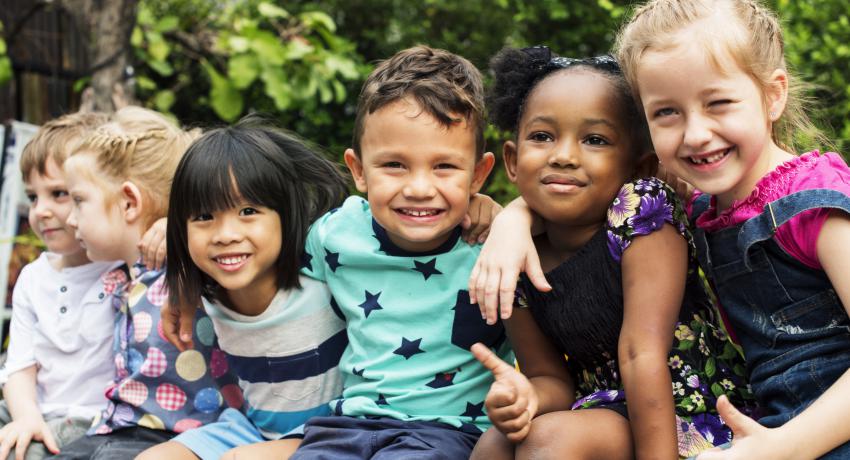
(409, 322)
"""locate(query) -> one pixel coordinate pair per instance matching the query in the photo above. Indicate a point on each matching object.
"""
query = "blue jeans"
(121, 444)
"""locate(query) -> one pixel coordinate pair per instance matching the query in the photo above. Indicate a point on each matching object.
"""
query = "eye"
(202, 217)
(392, 165)
(540, 136)
(248, 211)
(59, 193)
(32, 197)
(446, 166)
(719, 102)
(665, 112)
(594, 139)
(77, 199)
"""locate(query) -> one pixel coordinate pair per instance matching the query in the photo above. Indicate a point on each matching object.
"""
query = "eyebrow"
(599, 121)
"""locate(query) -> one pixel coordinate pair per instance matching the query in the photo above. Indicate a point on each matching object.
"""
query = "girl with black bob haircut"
(242, 200)
(621, 297)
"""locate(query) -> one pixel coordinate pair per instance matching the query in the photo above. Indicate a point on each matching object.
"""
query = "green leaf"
(164, 100)
(158, 48)
(5, 69)
(277, 87)
(710, 367)
(239, 44)
(325, 93)
(686, 344)
(340, 91)
(81, 84)
(161, 67)
(312, 19)
(167, 24)
(145, 83)
(243, 69)
(137, 37)
(225, 99)
(297, 49)
(269, 49)
(717, 390)
(2, 46)
(272, 11)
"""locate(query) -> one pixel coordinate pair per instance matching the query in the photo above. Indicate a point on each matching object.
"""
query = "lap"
(124, 443)
(211, 441)
(585, 433)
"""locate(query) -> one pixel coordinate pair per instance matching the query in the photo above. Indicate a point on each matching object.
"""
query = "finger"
(466, 222)
(489, 360)
(186, 325)
(473, 279)
(49, 442)
(502, 409)
(22, 445)
(480, 282)
(483, 236)
(7, 445)
(520, 435)
(535, 272)
(507, 291)
(159, 257)
(491, 295)
(740, 424)
(171, 327)
(516, 424)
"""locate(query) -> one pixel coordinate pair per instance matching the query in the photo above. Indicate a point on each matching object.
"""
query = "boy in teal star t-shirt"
(398, 270)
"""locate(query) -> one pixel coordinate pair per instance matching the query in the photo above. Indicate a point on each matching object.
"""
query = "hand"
(152, 245)
(683, 189)
(476, 223)
(177, 325)
(19, 433)
(750, 440)
(507, 251)
(512, 401)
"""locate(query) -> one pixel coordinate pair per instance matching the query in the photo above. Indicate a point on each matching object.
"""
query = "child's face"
(573, 151)
(238, 248)
(710, 128)
(97, 222)
(50, 206)
(418, 175)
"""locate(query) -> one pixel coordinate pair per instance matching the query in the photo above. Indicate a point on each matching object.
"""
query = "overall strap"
(778, 212)
(698, 207)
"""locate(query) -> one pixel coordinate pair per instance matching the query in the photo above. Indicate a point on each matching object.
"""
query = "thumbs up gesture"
(512, 400)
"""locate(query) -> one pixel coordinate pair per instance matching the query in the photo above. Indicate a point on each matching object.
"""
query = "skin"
(281, 449)
(569, 161)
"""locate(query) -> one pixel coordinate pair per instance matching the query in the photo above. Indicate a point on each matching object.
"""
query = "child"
(119, 181)
(772, 227)
(241, 203)
(615, 247)
(59, 357)
(397, 268)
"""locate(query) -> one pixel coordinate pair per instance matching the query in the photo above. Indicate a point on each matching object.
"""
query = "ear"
(776, 94)
(352, 161)
(509, 157)
(131, 202)
(482, 170)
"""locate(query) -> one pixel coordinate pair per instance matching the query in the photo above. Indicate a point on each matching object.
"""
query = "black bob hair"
(257, 162)
(518, 71)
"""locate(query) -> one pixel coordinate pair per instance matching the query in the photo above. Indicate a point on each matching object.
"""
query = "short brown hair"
(442, 83)
(57, 138)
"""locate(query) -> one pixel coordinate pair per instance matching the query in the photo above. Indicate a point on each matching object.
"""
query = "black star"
(382, 245)
(409, 348)
(442, 379)
(371, 303)
(381, 401)
(356, 372)
(305, 261)
(336, 309)
(332, 258)
(469, 428)
(428, 268)
(338, 406)
(474, 410)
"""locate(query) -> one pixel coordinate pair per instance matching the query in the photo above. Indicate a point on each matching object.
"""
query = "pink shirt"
(799, 236)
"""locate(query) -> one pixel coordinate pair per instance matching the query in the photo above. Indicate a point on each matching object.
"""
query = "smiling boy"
(398, 270)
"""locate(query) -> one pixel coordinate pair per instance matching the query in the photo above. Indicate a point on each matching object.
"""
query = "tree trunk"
(109, 24)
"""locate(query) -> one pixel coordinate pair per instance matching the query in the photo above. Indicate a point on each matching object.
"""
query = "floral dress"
(585, 323)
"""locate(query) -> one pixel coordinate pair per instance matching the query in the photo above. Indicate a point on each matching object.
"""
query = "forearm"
(20, 395)
(553, 394)
(652, 418)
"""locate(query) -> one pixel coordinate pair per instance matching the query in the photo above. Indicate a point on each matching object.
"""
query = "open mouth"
(709, 159)
(231, 261)
(419, 212)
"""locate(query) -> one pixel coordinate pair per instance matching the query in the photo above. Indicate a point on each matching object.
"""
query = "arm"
(508, 250)
(152, 245)
(476, 224)
(516, 398)
(654, 271)
(27, 422)
(825, 424)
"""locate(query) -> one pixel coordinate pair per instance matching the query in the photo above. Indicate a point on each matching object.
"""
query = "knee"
(493, 445)
(229, 455)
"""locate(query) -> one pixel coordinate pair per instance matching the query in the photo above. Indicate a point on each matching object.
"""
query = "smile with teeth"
(419, 212)
(710, 158)
(231, 260)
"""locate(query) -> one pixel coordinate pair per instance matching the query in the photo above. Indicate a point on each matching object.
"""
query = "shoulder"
(353, 214)
(822, 170)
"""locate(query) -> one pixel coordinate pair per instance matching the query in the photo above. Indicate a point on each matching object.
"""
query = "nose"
(419, 186)
(71, 221)
(41, 209)
(565, 155)
(697, 131)
(227, 231)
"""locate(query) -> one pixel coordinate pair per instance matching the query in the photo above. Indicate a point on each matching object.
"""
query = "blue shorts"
(349, 438)
(233, 429)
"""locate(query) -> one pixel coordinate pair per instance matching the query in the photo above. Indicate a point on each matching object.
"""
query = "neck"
(72, 260)
(565, 240)
(253, 301)
(129, 249)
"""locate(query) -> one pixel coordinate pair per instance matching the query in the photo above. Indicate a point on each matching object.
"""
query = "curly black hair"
(518, 71)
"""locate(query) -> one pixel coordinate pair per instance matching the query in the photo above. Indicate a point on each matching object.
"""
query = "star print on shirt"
(381, 401)
(332, 258)
(305, 261)
(356, 372)
(382, 245)
(474, 410)
(409, 348)
(442, 379)
(427, 269)
(371, 303)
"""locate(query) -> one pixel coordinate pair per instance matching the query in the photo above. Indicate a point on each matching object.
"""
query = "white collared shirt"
(63, 322)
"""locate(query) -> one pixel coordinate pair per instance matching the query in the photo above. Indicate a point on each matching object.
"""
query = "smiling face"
(238, 247)
(711, 128)
(573, 151)
(418, 174)
(50, 205)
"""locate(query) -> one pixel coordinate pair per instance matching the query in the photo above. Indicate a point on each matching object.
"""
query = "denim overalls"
(792, 327)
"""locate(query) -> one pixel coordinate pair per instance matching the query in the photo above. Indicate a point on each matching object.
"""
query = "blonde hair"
(756, 45)
(56, 139)
(140, 146)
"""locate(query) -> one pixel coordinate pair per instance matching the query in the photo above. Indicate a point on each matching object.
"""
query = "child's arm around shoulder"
(825, 424)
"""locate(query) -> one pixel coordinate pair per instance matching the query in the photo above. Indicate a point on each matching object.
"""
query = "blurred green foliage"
(5, 64)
